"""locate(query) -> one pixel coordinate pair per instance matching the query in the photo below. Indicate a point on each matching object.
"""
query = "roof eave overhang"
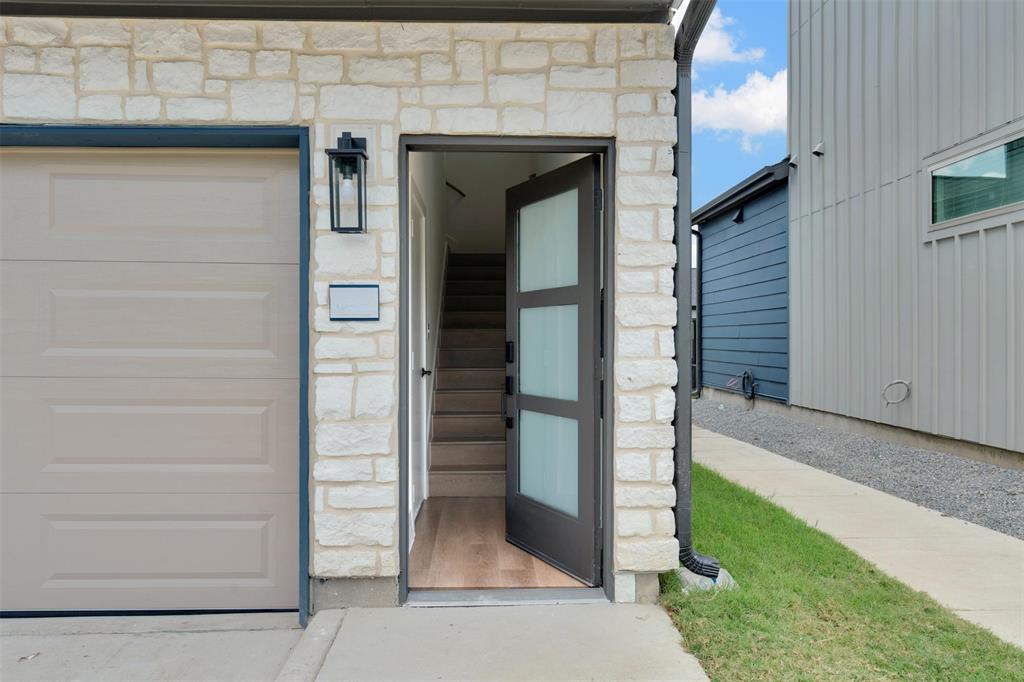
(560, 11)
(748, 188)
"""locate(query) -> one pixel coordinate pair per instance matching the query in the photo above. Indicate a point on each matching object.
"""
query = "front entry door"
(551, 391)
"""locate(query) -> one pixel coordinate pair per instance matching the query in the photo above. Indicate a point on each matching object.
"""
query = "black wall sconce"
(348, 184)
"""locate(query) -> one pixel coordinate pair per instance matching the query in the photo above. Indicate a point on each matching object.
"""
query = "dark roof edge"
(746, 189)
(346, 10)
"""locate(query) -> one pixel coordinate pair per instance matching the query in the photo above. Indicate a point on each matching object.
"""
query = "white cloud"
(717, 45)
(755, 108)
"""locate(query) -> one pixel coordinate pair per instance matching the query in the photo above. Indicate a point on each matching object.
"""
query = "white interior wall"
(476, 222)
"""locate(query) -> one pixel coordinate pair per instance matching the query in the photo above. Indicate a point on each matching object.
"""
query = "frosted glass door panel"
(547, 242)
(548, 460)
(550, 353)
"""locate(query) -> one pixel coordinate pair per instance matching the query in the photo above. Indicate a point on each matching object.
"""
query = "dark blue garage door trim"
(263, 137)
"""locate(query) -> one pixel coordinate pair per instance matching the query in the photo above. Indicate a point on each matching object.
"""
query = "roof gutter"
(694, 20)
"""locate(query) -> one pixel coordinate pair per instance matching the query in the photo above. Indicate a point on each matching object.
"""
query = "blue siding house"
(743, 305)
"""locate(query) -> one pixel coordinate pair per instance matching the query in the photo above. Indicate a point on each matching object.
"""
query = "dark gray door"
(551, 389)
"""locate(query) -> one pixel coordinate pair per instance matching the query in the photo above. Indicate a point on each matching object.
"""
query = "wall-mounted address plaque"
(354, 302)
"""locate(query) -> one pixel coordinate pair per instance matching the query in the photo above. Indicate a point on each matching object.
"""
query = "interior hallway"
(460, 544)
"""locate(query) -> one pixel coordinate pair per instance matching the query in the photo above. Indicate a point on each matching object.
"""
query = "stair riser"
(466, 357)
(467, 402)
(461, 272)
(472, 338)
(467, 485)
(457, 303)
(473, 379)
(467, 454)
(464, 426)
(476, 259)
(474, 320)
(472, 287)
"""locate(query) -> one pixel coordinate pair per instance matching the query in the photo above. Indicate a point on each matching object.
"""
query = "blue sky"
(739, 94)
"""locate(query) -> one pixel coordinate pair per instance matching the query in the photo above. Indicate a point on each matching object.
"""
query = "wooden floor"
(460, 544)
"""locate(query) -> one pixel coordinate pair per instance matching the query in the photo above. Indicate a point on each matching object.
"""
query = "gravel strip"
(978, 492)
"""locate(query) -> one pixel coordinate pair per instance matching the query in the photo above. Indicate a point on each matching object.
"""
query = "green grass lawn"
(810, 609)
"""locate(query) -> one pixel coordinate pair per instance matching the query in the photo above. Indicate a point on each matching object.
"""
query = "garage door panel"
(149, 435)
(109, 552)
(149, 319)
(150, 205)
(149, 379)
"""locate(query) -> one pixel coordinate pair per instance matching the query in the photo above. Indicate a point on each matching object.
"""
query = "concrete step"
(476, 259)
(493, 379)
(472, 338)
(492, 287)
(487, 425)
(460, 302)
(471, 357)
(467, 452)
(467, 401)
(474, 320)
(463, 481)
(463, 272)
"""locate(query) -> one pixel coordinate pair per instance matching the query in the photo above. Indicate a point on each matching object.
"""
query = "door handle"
(505, 416)
(424, 372)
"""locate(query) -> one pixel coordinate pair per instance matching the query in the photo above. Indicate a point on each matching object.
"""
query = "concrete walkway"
(157, 648)
(976, 572)
(551, 643)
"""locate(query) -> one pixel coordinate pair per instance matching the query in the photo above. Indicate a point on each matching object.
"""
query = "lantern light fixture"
(347, 169)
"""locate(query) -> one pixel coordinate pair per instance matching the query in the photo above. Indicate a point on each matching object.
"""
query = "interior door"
(551, 388)
(418, 365)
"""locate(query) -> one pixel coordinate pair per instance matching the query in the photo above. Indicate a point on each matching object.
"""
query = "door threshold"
(510, 597)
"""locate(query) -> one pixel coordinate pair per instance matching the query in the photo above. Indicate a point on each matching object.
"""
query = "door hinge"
(598, 199)
(510, 352)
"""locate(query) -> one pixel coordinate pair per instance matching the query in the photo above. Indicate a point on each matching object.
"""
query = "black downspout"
(697, 14)
(698, 341)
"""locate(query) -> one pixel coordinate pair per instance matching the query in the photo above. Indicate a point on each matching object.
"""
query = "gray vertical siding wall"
(744, 276)
(876, 295)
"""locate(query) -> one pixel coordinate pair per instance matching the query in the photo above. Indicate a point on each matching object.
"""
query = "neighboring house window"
(980, 182)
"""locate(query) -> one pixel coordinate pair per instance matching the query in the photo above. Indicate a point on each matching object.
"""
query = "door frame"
(605, 147)
(215, 137)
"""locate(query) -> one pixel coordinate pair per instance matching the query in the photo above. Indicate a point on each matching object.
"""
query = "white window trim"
(982, 220)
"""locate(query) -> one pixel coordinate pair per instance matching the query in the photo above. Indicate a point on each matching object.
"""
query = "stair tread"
(469, 440)
(467, 469)
(468, 390)
(468, 369)
(463, 440)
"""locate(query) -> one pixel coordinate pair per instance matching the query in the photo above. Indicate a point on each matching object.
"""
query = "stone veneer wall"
(381, 80)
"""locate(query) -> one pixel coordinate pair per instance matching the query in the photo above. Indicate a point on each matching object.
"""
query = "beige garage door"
(149, 367)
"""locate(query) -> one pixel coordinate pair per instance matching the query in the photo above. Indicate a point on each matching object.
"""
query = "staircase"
(467, 447)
